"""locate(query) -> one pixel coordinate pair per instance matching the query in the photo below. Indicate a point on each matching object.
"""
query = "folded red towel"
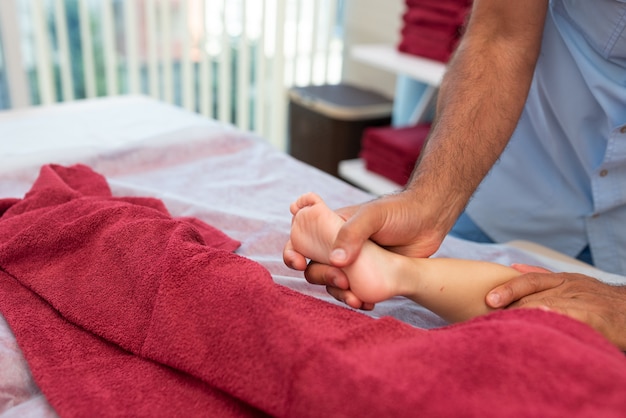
(122, 310)
(444, 6)
(386, 156)
(392, 152)
(427, 49)
(432, 42)
(398, 173)
(402, 140)
(384, 164)
(424, 16)
(441, 36)
(432, 28)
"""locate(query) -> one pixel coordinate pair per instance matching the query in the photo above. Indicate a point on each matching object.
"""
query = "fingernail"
(338, 254)
(493, 299)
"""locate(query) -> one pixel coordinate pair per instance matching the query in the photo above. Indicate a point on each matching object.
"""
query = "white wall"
(369, 22)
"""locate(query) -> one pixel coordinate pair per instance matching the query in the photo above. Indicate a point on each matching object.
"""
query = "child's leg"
(454, 289)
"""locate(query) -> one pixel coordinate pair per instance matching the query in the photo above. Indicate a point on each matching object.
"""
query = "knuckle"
(336, 293)
(534, 281)
(312, 274)
(549, 302)
(507, 292)
(329, 276)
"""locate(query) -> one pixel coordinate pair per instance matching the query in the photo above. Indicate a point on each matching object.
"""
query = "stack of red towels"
(393, 152)
(433, 28)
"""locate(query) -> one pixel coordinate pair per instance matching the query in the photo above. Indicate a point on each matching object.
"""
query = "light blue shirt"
(561, 181)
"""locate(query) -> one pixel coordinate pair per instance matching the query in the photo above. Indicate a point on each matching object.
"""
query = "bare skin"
(479, 103)
(600, 305)
(452, 288)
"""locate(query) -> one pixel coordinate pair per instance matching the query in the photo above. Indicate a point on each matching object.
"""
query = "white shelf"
(355, 172)
(388, 58)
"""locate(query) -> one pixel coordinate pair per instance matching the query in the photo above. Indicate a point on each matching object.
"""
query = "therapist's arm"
(479, 104)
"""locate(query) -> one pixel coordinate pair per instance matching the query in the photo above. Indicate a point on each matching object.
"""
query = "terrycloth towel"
(82, 374)
(449, 7)
(122, 311)
(433, 44)
(392, 152)
(433, 17)
(433, 28)
(420, 46)
(375, 163)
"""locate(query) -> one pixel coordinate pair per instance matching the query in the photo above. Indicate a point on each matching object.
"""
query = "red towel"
(425, 16)
(426, 49)
(429, 43)
(446, 6)
(432, 28)
(396, 172)
(443, 37)
(122, 310)
(404, 142)
(393, 152)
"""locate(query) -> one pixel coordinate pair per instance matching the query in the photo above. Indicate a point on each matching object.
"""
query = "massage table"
(239, 184)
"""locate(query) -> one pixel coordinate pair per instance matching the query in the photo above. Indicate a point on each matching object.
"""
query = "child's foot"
(313, 227)
(313, 231)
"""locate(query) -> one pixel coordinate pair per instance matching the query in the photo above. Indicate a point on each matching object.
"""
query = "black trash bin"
(326, 122)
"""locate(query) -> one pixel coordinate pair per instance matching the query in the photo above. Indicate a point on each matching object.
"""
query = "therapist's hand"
(333, 278)
(399, 222)
(581, 297)
(337, 284)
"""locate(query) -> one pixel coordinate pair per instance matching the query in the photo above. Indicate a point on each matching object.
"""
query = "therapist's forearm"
(480, 101)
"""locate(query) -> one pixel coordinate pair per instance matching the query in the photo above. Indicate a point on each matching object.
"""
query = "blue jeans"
(465, 228)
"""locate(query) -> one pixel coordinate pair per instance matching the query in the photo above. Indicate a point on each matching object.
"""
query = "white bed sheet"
(232, 180)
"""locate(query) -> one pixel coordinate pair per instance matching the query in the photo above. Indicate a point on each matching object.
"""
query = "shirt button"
(623, 129)
(603, 173)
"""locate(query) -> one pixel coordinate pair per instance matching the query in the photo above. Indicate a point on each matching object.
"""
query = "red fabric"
(433, 28)
(439, 35)
(435, 18)
(405, 142)
(449, 6)
(396, 172)
(393, 152)
(429, 42)
(426, 49)
(122, 311)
